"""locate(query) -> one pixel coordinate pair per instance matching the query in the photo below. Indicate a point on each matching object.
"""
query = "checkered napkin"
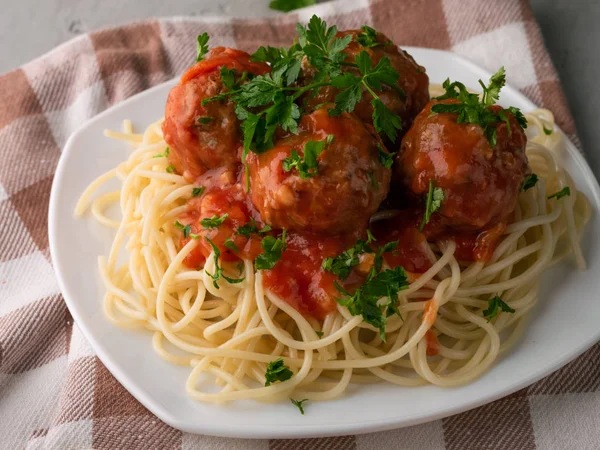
(55, 393)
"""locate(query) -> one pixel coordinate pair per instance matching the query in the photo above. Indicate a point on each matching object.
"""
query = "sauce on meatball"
(350, 184)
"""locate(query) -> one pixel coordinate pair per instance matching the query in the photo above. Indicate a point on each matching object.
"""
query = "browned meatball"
(350, 184)
(480, 183)
(413, 81)
(205, 137)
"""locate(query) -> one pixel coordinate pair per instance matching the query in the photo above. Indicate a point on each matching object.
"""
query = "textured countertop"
(29, 28)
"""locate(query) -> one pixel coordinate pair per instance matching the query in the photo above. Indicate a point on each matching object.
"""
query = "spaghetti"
(229, 335)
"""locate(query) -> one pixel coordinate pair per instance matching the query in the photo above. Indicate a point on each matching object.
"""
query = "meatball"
(413, 81)
(480, 183)
(203, 137)
(350, 184)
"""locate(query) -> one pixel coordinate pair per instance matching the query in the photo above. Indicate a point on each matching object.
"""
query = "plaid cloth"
(55, 393)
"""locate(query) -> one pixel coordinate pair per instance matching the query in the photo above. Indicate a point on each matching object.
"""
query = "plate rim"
(267, 431)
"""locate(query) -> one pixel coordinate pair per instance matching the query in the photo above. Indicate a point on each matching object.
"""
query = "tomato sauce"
(433, 345)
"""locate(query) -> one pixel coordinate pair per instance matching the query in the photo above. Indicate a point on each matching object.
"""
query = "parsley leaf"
(385, 121)
(214, 221)
(277, 371)
(290, 5)
(432, 204)
(386, 158)
(231, 245)
(367, 37)
(548, 131)
(319, 333)
(309, 166)
(198, 191)
(187, 229)
(471, 109)
(203, 120)
(163, 154)
(228, 77)
(366, 300)
(202, 46)
(342, 264)
(252, 228)
(494, 304)
(566, 191)
(273, 251)
(298, 404)
(170, 168)
(529, 181)
(218, 269)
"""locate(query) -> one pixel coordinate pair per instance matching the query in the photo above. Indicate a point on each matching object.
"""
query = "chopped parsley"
(529, 181)
(163, 154)
(386, 158)
(366, 300)
(566, 191)
(547, 131)
(367, 37)
(495, 304)
(319, 333)
(471, 109)
(203, 120)
(250, 228)
(231, 245)
(298, 404)
(268, 102)
(342, 265)
(277, 371)
(273, 249)
(187, 229)
(435, 195)
(214, 221)
(170, 168)
(290, 5)
(202, 46)
(198, 191)
(218, 269)
(309, 166)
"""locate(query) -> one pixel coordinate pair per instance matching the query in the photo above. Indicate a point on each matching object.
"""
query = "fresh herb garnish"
(290, 5)
(202, 46)
(203, 120)
(214, 221)
(342, 265)
(386, 158)
(218, 269)
(471, 109)
(250, 228)
(163, 154)
(273, 251)
(198, 191)
(435, 195)
(494, 305)
(367, 37)
(547, 131)
(187, 229)
(277, 371)
(529, 181)
(298, 404)
(267, 101)
(370, 237)
(366, 300)
(319, 333)
(309, 166)
(566, 191)
(170, 168)
(231, 245)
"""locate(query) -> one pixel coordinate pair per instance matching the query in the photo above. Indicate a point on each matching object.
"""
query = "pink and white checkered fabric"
(55, 393)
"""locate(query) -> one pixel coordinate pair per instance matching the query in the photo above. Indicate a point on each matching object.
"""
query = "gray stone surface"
(28, 28)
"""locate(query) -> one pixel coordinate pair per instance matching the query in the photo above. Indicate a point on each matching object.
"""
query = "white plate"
(562, 326)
